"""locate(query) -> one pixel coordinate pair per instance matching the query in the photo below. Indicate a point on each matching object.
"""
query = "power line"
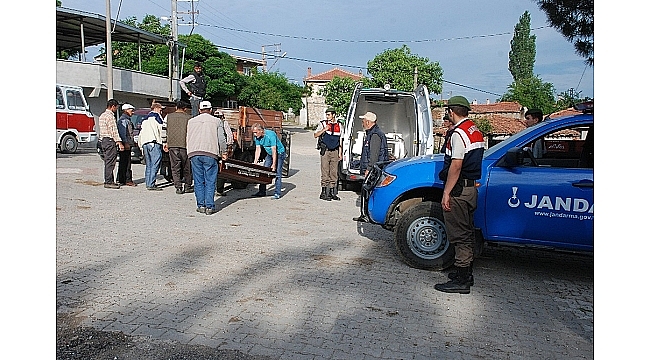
(349, 66)
(364, 41)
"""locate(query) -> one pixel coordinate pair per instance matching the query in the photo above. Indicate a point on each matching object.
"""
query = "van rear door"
(349, 126)
(425, 121)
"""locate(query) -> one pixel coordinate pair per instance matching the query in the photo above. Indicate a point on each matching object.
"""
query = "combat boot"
(459, 285)
(454, 273)
(332, 194)
(324, 194)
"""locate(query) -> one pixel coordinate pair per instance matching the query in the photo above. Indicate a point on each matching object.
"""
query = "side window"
(571, 147)
(59, 99)
(75, 100)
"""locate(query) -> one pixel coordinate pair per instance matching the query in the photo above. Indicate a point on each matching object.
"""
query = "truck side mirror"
(514, 157)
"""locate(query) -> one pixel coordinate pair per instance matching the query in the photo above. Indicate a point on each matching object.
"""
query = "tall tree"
(522, 50)
(575, 20)
(397, 68)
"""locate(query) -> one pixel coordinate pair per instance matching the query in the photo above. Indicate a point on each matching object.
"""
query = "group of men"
(196, 145)
(199, 139)
(463, 153)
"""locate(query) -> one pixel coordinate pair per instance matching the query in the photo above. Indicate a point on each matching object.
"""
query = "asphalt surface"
(296, 278)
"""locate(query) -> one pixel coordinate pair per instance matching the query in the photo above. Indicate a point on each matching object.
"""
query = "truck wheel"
(68, 144)
(421, 238)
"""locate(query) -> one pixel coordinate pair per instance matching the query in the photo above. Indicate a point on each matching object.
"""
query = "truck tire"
(68, 144)
(421, 238)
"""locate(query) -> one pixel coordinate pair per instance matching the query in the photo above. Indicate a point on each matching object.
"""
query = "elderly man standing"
(206, 144)
(125, 128)
(175, 125)
(375, 149)
(110, 142)
(150, 141)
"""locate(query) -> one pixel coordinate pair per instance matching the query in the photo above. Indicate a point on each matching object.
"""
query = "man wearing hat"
(331, 152)
(150, 141)
(462, 167)
(206, 144)
(125, 129)
(375, 149)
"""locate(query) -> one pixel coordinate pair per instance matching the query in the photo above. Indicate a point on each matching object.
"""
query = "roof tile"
(330, 74)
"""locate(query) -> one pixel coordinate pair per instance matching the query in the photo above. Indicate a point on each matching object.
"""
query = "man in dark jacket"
(194, 86)
(375, 149)
(125, 129)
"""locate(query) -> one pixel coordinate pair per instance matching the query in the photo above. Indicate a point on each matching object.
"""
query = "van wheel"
(68, 144)
(421, 237)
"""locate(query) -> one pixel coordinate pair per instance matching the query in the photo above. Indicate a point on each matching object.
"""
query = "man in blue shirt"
(275, 156)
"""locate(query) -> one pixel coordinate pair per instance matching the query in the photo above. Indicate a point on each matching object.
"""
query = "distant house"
(245, 64)
(315, 106)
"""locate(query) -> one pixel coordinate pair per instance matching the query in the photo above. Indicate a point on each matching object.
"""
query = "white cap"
(127, 107)
(205, 105)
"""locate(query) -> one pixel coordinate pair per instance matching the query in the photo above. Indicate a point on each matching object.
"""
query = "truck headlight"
(385, 179)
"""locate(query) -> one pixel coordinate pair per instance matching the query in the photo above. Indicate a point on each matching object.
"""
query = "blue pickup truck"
(544, 200)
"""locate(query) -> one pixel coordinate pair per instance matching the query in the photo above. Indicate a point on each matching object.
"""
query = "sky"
(469, 39)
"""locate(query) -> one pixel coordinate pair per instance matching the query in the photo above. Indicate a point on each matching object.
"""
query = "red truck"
(74, 122)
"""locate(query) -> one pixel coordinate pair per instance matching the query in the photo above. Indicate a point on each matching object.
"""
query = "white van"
(74, 122)
(405, 118)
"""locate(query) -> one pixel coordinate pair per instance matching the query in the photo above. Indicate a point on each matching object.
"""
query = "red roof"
(565, 112)
(330, 74)
(500, 107)
(503, 125)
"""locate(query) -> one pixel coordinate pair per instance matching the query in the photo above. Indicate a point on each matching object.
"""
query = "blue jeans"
(204, 172)
(152, 154)
(194, 101)
(278, 173)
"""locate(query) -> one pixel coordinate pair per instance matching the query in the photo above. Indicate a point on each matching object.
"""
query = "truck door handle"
(583, 184)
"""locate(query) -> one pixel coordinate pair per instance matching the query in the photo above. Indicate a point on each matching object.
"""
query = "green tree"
(522, 50)
(154, 57)
(397, 67)
(338, 93)
(484, 125)
(532, 93)
(575, 21)
(271, 91)
(58, 2)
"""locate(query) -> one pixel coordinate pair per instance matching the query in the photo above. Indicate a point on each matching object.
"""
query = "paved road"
(296, 278)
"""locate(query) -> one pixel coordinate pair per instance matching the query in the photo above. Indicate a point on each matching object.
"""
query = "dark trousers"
(181, 167)
(110, 158)
(460, 225)
(124, 173)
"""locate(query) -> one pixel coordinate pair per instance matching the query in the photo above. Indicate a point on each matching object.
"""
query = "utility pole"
(109, 53)
(415, 78)
(174, 49)
(276, 52)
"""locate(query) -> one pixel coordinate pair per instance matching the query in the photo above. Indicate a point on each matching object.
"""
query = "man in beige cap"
(375, 149)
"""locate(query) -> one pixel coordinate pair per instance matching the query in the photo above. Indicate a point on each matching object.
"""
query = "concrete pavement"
(296, 278)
